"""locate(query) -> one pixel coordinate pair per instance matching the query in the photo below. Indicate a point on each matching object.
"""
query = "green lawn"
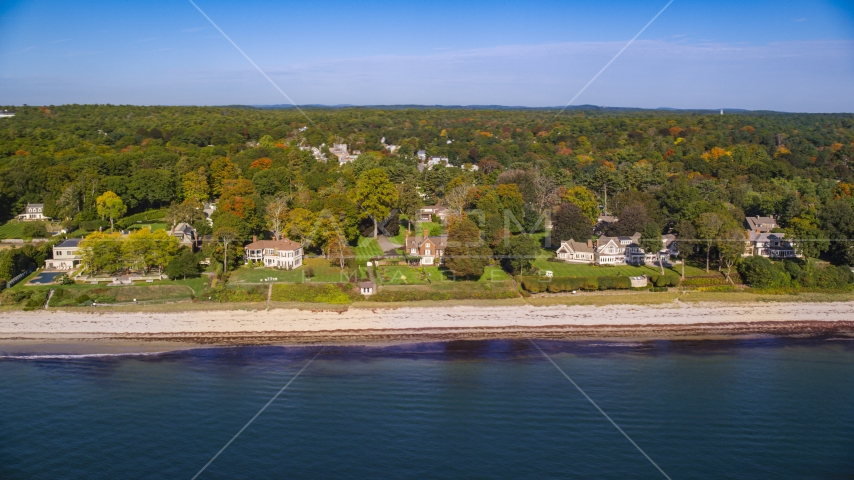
(324, 271)
(561, 269)
(12, 230)
(420, 226)
(401, 275)
(432, 275)
(367, 249)
(154, 226)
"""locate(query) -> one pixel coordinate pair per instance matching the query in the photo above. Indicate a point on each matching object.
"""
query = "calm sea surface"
(770, 408)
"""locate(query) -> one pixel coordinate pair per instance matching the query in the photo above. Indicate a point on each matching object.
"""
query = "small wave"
(838, 339)
(614, 344)
(78, 356)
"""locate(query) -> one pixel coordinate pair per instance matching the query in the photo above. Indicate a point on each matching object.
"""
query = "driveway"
(386, 245)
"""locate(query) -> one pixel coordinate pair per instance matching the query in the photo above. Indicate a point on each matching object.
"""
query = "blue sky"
(777, 55)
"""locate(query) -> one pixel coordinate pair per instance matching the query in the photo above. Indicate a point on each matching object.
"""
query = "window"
(58, 253)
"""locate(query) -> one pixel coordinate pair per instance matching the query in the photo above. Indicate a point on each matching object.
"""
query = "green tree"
(226, 236)
(466, 254)
(111, 206)
(185, 264)
(837, 219)
(630, 221)
(686, 240)
(34, 230)
(570, 223)
(195, 185)
(585, 200)
(409, 202)
(809, 240)
(731, 247)
(375, 195)
(650, 241)
(708, 228)
(517, 253)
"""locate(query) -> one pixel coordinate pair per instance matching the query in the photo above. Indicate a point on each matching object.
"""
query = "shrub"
(82, 298)
(34, 230)
(413, 295)
(665, 280)
(568, 284)
(36, 301)
(15, 297)
(92, 225)
(249, 294)
(340, 293)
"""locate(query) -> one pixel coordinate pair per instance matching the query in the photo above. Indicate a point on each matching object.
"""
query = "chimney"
(254, 238)
(589, 243)
(426, 232)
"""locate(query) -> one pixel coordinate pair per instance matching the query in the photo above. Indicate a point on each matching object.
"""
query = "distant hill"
(503, 107)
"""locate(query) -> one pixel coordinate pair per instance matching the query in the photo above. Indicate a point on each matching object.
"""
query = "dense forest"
(690, 173)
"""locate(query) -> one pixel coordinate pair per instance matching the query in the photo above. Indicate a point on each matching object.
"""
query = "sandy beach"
(355, 325)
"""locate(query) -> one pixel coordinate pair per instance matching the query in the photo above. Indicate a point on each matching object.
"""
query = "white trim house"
(283, 253)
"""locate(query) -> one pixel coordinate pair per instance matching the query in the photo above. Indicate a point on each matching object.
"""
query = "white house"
(612, 250)
(65, 256)
(283, 253)
(208, 210)
(6, 114)
(367, 288)
(770, 245)
(33, 211)
(616, 251)
(576, 252)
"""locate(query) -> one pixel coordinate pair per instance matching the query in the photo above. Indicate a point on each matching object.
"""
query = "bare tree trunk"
(683, 266)
(225, 260)
(661, 263)
(375, 226)
(708, 253)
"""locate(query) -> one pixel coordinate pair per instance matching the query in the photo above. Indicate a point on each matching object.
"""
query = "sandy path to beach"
(31, 324)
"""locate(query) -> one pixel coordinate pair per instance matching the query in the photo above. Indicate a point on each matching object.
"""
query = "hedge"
(664, 280)
(336, 293)
(568, 284)
(145, 217)
(704, 282)
(412, 295)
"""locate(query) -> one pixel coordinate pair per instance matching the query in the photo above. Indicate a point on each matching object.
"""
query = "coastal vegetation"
(503, 175)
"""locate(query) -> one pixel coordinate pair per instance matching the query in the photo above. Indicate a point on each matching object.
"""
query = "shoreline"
(57, 331)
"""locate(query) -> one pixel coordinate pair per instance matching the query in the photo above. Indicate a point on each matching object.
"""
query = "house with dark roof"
(284, 253)
(33, 212)
(65, 255)
(430, 249)
(186, 234)
(761, 224)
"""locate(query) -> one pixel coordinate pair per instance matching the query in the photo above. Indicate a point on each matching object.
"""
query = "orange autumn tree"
(715, 153)
(843, 190)
(261, 164)
(236, 198)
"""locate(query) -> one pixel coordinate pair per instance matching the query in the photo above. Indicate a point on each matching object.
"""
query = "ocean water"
(767, 408)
